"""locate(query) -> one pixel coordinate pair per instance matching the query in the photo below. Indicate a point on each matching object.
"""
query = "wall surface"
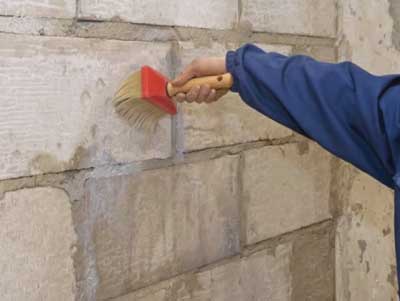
(365, 268)
(220, 203)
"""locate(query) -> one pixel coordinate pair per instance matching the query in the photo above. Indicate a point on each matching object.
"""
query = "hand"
(198, 68)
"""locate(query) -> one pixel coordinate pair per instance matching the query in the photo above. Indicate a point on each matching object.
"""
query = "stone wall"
(220, 203)
(365, 255)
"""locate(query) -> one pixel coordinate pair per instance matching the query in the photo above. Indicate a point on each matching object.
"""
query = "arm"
(340, 106)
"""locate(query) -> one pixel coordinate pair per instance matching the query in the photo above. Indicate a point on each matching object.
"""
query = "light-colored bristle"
(139, 112)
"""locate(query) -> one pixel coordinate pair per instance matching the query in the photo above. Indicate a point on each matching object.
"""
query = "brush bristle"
(130, 105)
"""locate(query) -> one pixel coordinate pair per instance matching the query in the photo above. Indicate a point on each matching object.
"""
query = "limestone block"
(228, 121)
(56, 104)
(262, 276)
(300, 269)
(305, 17)
(38, 8)
(160, 223)
(37, 244)
(365, 255)
(220, 14)
(369, 35)
(284, 188)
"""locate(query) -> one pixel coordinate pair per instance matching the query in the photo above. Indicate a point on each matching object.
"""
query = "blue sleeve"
(349, 112)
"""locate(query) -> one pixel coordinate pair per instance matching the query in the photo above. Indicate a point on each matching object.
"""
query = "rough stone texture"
(284, 188)
(37, 245)
(300, 269)
(207, 14)
(321, 53)
(306, 17)
(38, 8)
(368, 35)
(56, 110)
(161, 223)
(36, 26)
(228, 121)
(262, 276)
(312, 264)
(365, 256)
(365, 246)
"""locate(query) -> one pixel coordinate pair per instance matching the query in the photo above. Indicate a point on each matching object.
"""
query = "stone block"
(56, 104)
(221, 14)
(160, 223)
(38, 8)
(305, 17)
(299, 269)
(365, 255)
(228, 121)
(370, 35)
(37, 245)
(284, 188)
(262, 276)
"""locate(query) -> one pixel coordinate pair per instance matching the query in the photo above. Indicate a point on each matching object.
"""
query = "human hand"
(198, 68)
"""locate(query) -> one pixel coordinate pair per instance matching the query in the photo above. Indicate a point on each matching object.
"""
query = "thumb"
(184, 77)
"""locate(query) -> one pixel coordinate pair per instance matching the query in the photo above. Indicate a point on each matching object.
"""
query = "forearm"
(333, 104)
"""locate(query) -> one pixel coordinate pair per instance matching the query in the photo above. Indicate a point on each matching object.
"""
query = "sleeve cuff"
(232, 63)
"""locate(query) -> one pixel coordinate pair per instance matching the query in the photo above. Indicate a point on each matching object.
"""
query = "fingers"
(211, 97)
(203, 94)
(193, 94)
(200, 67)
(180, 97)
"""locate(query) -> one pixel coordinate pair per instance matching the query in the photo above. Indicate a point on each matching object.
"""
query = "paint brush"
(146, 96)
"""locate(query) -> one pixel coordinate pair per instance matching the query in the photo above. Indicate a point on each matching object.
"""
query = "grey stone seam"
(268, 244)
(191, 157)
(79, 28)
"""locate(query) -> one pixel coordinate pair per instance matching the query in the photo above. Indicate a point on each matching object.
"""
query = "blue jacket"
(348, 111)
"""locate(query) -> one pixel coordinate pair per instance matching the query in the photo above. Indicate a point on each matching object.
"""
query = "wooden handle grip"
(217, 82)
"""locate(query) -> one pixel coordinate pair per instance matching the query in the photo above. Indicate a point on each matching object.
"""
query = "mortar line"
(256, 248)
(152, 164)
(242, 204)
(282, 238)
(256, 37)
(77, 3)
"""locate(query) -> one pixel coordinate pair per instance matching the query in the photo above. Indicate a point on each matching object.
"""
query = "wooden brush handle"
(217, 82)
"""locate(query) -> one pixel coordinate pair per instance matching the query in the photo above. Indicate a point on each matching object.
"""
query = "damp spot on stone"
(93, 130)
(386, 231)
(303, 148)
(353, 12)
(367, 266)
(356, 208)
(59, 145)
(79, 158)
(184, 288)
(85, 97)
(362, 244)
(16, 153)
(45, 162)
(391, 277)
(116, 19)
(100, 83)
(358, 225)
